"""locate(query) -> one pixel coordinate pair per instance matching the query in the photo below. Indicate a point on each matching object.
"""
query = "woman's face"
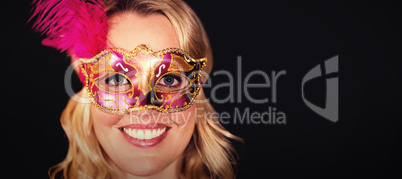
(122, 136)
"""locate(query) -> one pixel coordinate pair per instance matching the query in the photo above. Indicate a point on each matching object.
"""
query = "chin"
(144, 167)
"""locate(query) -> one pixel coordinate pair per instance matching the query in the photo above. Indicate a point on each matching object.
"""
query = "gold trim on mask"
(178, 63)
(148, 50)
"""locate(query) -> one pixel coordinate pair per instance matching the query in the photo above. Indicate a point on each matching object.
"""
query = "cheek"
(185, 123)
(103, 124)
(104, 119)
(185, 118)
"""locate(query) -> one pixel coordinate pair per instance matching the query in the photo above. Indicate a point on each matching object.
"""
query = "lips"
(145, 135)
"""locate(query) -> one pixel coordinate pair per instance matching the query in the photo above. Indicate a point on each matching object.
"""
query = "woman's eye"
(114, 83)
(116, 79)
(172, 82)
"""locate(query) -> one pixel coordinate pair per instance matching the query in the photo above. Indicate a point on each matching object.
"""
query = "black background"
(270, 36)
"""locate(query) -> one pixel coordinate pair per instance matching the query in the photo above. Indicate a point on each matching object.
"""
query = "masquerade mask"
(121, 82)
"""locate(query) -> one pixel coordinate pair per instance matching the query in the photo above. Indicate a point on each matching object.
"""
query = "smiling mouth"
(145, 135)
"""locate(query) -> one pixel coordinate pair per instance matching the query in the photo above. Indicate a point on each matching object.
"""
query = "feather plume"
(76, 26)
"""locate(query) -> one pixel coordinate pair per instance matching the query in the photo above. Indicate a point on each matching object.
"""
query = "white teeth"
(140, 134)
(144, 133)
(134, 133)
(153, 133)
(147, 134)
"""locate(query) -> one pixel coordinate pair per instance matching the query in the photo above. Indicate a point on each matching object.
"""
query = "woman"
(141, 63)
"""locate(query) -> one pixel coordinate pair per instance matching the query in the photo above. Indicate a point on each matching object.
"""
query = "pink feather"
(78, 26)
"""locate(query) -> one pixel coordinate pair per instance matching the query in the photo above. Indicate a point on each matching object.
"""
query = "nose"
(146, 67)
(145, 112)
(144, 81)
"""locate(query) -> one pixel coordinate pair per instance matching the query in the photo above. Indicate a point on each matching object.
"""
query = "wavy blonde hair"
(209, 153)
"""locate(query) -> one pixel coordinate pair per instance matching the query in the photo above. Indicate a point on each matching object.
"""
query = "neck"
(172, 171)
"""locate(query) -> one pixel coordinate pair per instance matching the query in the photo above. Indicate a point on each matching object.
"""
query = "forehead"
(129, 29)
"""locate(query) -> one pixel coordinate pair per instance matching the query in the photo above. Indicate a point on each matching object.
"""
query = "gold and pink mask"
(120, 82)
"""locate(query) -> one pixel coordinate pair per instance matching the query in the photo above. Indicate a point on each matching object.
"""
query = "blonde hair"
(209, 154)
